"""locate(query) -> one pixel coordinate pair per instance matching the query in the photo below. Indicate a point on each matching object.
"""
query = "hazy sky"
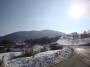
(26, 15)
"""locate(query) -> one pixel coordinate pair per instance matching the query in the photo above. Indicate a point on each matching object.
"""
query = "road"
(79, 58)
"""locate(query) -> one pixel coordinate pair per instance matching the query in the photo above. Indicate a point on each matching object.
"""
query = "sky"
(59, 15)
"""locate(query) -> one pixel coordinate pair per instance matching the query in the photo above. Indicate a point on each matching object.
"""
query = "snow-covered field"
(70, 41)
(7, 55)
(37, 47)
(42, 59)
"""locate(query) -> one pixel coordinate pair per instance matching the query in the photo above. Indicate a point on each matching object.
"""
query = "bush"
(8, 50)
(12, 56)
(55, 46)
(3, 62)
(85, 44)
(25, 52)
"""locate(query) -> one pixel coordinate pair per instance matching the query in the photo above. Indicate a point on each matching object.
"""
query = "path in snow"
(80, 58)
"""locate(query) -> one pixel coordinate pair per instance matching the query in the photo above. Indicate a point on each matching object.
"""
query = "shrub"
(26, 52)
(4, 62)
(85, 44)
(55, 46)
(12, 56)
(8, 50)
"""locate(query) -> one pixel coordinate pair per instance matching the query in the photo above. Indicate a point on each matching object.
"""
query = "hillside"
(0, 36)
(23, 35)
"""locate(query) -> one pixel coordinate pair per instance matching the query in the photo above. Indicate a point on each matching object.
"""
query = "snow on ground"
(42, 59)
(16, 49)
(70, 41)
(37, 47)
(7, 55)
(46, 53)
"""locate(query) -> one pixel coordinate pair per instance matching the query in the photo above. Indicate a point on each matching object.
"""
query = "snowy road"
(80, 58)
(84, 54)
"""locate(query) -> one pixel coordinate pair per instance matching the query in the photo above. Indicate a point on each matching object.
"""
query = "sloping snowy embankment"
(43, 59)
(68, 41)
(7, 55)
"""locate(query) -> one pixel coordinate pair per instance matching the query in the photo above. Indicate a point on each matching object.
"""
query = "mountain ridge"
(23, 35)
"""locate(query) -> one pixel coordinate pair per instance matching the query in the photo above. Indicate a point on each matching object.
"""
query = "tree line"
(42, 41)
(7, 44)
